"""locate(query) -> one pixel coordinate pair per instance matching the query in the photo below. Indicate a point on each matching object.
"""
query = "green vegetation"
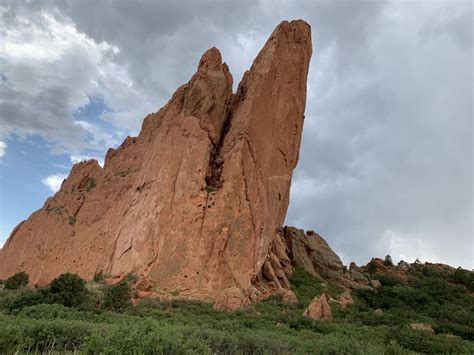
(209, 189)
(68, 290)
(388, 260)
(118, 297)
(123, 173)
(100, 276)
(55, 210)
(103, 320)
(72, 220)
(372, 266)
(16, 281)
(90, 184)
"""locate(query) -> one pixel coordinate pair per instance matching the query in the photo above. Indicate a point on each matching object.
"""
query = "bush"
(99, 276)
(372, 267)
(24, 299)
(117, 297)
(428, 343)
(463, 277)
(68, 290)
(388, 260)
(16, 281)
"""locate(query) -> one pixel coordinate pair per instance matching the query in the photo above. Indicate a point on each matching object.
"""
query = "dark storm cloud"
(386, 159)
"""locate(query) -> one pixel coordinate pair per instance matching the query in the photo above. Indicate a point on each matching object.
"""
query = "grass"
(268, 327)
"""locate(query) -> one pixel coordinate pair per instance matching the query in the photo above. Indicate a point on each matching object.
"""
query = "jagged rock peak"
(194, 205)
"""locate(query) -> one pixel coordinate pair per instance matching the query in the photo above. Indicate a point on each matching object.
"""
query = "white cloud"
(3, 149)
(53, 182)
(49, 70)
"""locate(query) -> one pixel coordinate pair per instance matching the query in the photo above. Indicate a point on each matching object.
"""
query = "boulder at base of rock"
(375, 283)
(425, 327)
(319, 309)
(345, 299)
(289, 297)
(230, 299)
(378, 312)
(312, 253)
(358, 277)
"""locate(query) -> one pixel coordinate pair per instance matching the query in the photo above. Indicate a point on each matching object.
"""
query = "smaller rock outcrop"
(289, 297)
(424, 327)
(345, 299)
(231, 298)
(375, 283)
(378, 266)
(312, 253)
(319, 309)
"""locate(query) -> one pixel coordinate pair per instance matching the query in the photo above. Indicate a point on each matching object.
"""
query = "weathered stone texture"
(195, 203)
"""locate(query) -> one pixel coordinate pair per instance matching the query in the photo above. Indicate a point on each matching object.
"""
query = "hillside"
(377, 323)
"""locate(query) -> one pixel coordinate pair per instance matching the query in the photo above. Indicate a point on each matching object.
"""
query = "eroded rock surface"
(195, 203)
(312, 253)
(319, 309)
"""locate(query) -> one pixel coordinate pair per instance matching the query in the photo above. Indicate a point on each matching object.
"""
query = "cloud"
(49, 70)
(3, 149)
(53, 182)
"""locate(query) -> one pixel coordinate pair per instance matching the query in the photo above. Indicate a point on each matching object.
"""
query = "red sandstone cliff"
(196, 202)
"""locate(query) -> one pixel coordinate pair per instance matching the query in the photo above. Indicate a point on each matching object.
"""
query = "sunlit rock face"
(196, 202)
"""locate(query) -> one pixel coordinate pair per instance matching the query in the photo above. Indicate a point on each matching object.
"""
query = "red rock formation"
(195, 203)
(345, 299)
(319, 309)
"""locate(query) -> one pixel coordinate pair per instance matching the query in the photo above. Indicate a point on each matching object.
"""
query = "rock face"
(312, 253)
(319, 309)
(345, 299)
(195, 203)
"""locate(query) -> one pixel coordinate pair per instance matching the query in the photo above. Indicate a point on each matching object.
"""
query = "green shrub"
(305, 286)
(131, 278)
(68, 289)
(26, 298)
(209, 189)
(16, 281)
(99, 276)
(372, 267)
(388, 260)
(463, 277)
(428, 343)
(27, 335)
(90, 184)
(117, 297)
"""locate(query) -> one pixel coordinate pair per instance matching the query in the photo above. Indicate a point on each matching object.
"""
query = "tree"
(117, 297)
(68, 290)
(388, 261)
(16, 281)
(372, 266)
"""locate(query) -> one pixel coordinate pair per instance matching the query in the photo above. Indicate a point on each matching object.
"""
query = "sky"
(386, 162)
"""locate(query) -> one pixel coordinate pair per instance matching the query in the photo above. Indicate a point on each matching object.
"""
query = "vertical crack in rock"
(216, 162)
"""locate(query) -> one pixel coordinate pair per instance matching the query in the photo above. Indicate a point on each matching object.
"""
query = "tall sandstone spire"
(196, 202)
